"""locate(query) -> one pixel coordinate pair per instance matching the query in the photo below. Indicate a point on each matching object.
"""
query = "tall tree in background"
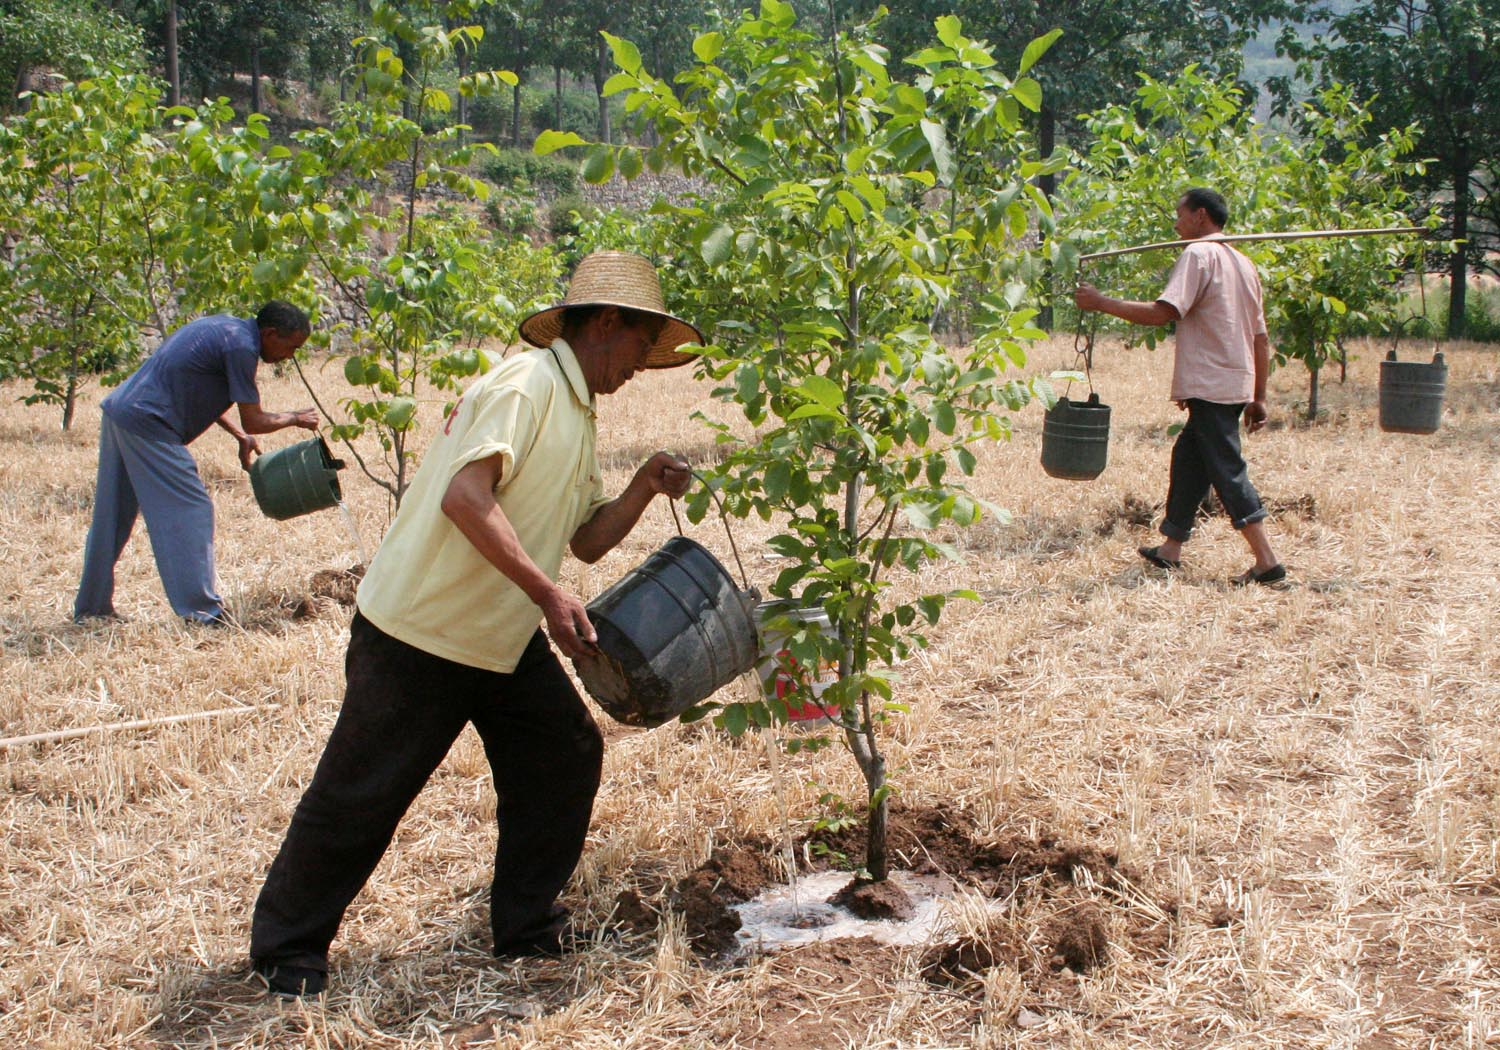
(1435, 65)
(1105, 48)
(515, 40)
(68, 37)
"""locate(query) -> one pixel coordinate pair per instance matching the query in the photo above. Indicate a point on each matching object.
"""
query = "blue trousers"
(159, 480)
(1207, 455)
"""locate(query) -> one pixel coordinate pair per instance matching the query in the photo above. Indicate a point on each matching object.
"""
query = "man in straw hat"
(446, 630)
(1223, 359)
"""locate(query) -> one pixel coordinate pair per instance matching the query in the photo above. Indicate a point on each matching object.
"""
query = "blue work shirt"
(192, 379)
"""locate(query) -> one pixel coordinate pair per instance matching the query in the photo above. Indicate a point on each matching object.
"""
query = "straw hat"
(617, 279)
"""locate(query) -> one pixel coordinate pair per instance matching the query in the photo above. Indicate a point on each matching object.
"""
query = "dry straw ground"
(1304, 785)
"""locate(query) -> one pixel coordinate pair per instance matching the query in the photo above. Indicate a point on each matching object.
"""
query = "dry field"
(1282, 807)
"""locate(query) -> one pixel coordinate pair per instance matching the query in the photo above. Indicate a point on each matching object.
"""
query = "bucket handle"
(723, 516)
(1399, 326)
(1083, 344)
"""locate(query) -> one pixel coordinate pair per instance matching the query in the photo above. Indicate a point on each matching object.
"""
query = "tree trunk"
(1458, 269)
(1312, 393)
(70, 399)
(515, 115)
(465, 58)
(601, 73)
(877, 858)
(1046, 142)
(174, 80)
(255, 78)
(557, 97)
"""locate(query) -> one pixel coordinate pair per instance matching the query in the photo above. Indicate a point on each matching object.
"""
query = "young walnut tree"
(845, 207)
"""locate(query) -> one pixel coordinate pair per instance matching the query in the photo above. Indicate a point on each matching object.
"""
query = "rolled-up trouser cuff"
(1259, 514)
(1173, 532)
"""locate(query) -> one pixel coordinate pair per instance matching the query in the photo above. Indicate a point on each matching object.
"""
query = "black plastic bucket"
(298, 479)
(1411, 394)
(672, 632)
(1075, 439)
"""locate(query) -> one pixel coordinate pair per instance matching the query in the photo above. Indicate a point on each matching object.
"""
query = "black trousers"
(1207, 454)
(403, 708)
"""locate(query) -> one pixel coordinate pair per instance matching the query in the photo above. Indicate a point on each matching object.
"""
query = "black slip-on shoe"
(1269, 578)
(1153, 555)
(291, 982)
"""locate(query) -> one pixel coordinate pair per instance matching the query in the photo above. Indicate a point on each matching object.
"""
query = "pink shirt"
(1217, 294)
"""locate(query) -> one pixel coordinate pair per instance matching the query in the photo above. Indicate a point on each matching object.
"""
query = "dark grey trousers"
(403, 708)
(1207, 455)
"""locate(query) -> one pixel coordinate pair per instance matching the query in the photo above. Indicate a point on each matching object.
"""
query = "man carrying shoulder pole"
(1223, 359)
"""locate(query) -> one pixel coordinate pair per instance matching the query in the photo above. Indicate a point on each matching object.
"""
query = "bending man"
(189, 383)
(446, 630)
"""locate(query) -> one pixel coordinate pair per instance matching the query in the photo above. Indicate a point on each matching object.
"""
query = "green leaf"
(824, 391)
(943, 417)
(627, 55)
(949, 31)
(813, 412)
(1036, 49)
(630, 163)
(735, 719)
(708, 46)
(1029, 93)
(552, 141)
(399, 412)
(599, 166)
(718, 245)
(942, 156)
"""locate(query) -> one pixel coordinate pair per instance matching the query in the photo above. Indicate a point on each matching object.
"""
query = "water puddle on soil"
(359, 543)
(782, 917)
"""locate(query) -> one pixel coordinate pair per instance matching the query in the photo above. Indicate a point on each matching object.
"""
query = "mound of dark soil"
(875, 900)
(1132, 513)
(1080, 938)
(961, 961)
(704, 896)
(327, 588)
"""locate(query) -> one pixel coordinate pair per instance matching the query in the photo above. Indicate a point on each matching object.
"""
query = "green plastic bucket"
(1411, 394)
(1075, 439)
(295, 480)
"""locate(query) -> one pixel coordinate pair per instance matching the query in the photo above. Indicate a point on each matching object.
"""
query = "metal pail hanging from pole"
(1075, 439)
(1411, 394)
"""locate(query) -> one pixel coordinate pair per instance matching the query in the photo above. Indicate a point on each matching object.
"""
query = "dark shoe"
(1272, 576)
(291, 982)
(101, 617)
(1153, 555)
(540, 942)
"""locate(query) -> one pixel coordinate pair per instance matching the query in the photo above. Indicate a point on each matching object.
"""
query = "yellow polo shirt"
(427, 585)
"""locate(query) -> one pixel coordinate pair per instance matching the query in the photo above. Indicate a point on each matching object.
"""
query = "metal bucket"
(672, 632)
(298, 479)
(780, 675)
(1075, 439)
(1411, 394)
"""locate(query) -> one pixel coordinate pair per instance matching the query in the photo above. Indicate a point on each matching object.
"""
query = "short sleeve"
(239, 370)
(1186, 283)
(503, 423)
